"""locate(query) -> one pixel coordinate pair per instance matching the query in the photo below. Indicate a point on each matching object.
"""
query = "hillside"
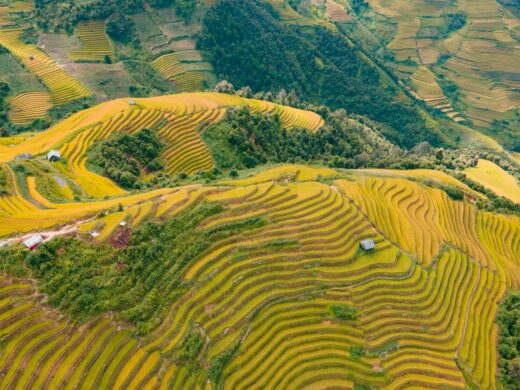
(255, 280)
(259, 194)
(461, 58)
(258, 301)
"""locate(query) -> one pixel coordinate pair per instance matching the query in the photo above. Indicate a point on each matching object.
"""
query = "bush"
(343, 312)
(356, 352)
(454, 193)
(121, 28)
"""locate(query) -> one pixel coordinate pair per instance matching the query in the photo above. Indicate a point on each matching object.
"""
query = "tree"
(224, 86)
(245, 92)
(121, 27)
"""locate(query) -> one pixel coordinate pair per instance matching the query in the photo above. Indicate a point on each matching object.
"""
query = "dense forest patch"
(318, 64)
(508, 320)
(245, 140)
(64, 14)
(122, 157)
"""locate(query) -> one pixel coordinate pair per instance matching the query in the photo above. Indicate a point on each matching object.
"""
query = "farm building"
(53, 156)
(132, 102)
(23, 156)
(33, 242)
(367, 244)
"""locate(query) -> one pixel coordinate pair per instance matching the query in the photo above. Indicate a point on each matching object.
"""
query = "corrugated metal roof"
(53, 154)
(32, 241)
(368, 244)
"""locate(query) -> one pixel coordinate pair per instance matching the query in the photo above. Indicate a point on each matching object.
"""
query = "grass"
(19, 78)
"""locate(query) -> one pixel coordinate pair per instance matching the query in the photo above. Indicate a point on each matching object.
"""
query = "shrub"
(344, 312)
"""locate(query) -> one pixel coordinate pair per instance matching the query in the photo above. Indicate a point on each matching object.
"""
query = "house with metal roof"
(367, 244)
(33, 242)
(23, 156)
(53, 156)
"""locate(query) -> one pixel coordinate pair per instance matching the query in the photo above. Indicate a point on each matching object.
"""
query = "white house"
(53, 156)
(33, 242)
(367, 244)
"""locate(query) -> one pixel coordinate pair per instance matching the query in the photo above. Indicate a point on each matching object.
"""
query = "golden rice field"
(179, 118)
(172, 68)
(426, 296)
(62, 86)
(28, 106)
(492, 176)
(96, 44)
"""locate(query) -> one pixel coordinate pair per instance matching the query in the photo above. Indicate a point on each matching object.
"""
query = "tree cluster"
(123, 157)
(4, 104)
(184, 8)
(62, 15)
(454, 21)
(245, 140)
(4, 181)
(508, 320)
(343, 312)
(139, 282)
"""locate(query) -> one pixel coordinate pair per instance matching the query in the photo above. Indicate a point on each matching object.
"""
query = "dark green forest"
(123, 157)
(508, 320)
(62, 15)
(4, 105)
(245, 140)
(249, 46)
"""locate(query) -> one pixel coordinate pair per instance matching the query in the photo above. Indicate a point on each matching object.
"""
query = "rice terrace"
(259, 194)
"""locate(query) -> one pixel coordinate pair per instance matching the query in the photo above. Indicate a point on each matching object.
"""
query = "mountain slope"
(265, 304)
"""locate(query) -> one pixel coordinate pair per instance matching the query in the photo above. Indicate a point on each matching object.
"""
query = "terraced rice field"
(62, 86)
(477, 58)
(425, 297)
(28, 106)
(490, 175)
(185, 80)
(179, 119)
(7, 10)
(96, 44)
